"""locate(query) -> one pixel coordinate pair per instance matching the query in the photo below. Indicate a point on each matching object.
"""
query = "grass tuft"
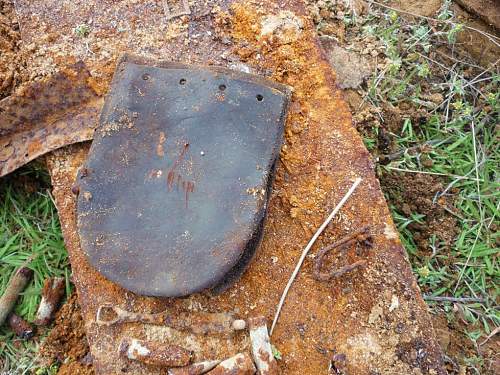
(29, 232)
(465, 151)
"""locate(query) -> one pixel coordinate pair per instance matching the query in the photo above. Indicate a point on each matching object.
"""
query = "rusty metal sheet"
(47, 114)
(174, 192)
(372, 320)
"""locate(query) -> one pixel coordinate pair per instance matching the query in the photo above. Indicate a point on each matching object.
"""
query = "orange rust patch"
(34, 147)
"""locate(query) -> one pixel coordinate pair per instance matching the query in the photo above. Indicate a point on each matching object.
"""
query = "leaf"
(276, 353)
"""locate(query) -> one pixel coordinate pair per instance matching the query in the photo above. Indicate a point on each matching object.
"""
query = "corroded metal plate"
(324, 154)
(47, 114)
(173, 195)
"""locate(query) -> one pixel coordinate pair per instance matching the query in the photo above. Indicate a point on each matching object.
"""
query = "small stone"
(427, 162)
(443, 336)
(325, 13)
(406, 209)
(239, 325)
(394, 303)
(375, 314)
(351, 68)
(436, 98)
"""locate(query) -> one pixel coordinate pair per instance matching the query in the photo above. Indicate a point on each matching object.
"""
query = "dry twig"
(16, 285)
(453, 299)
(52, 292)
(494, 39)
(493, 333)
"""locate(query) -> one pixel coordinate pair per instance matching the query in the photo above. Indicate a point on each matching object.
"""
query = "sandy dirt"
(483, 15)
(415, 194)
(66, 343)
(12, 61)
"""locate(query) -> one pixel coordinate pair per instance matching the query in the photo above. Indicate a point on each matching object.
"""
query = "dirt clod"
(415, 194)
(12, 62)
(350, 67)
(66, 342)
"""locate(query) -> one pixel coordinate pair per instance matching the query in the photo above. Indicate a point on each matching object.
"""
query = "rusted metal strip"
(154, 353)
(200, 323)
(20, 326)
(359, 236)
(52, 292)
(261, 346)
(14, 288)
(194, 369)
(240, 364)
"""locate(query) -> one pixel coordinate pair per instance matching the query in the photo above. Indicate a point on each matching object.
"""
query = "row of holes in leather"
(222, 87)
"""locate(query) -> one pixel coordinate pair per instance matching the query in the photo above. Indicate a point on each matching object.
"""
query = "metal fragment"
(194, 369)
(45, 115)
(261, 347)
(359, 236)
(323, 148)
(197, 322)
(52, 292)
(154, 353)
(240, 364)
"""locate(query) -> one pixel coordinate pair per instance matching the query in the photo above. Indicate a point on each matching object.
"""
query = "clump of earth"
(66, 343)
(13, 70)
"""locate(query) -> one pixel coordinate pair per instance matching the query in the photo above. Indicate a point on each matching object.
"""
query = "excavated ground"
(287, 64)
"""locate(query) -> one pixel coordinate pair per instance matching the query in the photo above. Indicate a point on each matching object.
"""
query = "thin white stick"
(308, 247)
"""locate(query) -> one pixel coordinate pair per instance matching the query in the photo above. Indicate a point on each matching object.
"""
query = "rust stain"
(172, 171)
(159, 149)
(174, 178)
(6, 150)
(189, 188)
